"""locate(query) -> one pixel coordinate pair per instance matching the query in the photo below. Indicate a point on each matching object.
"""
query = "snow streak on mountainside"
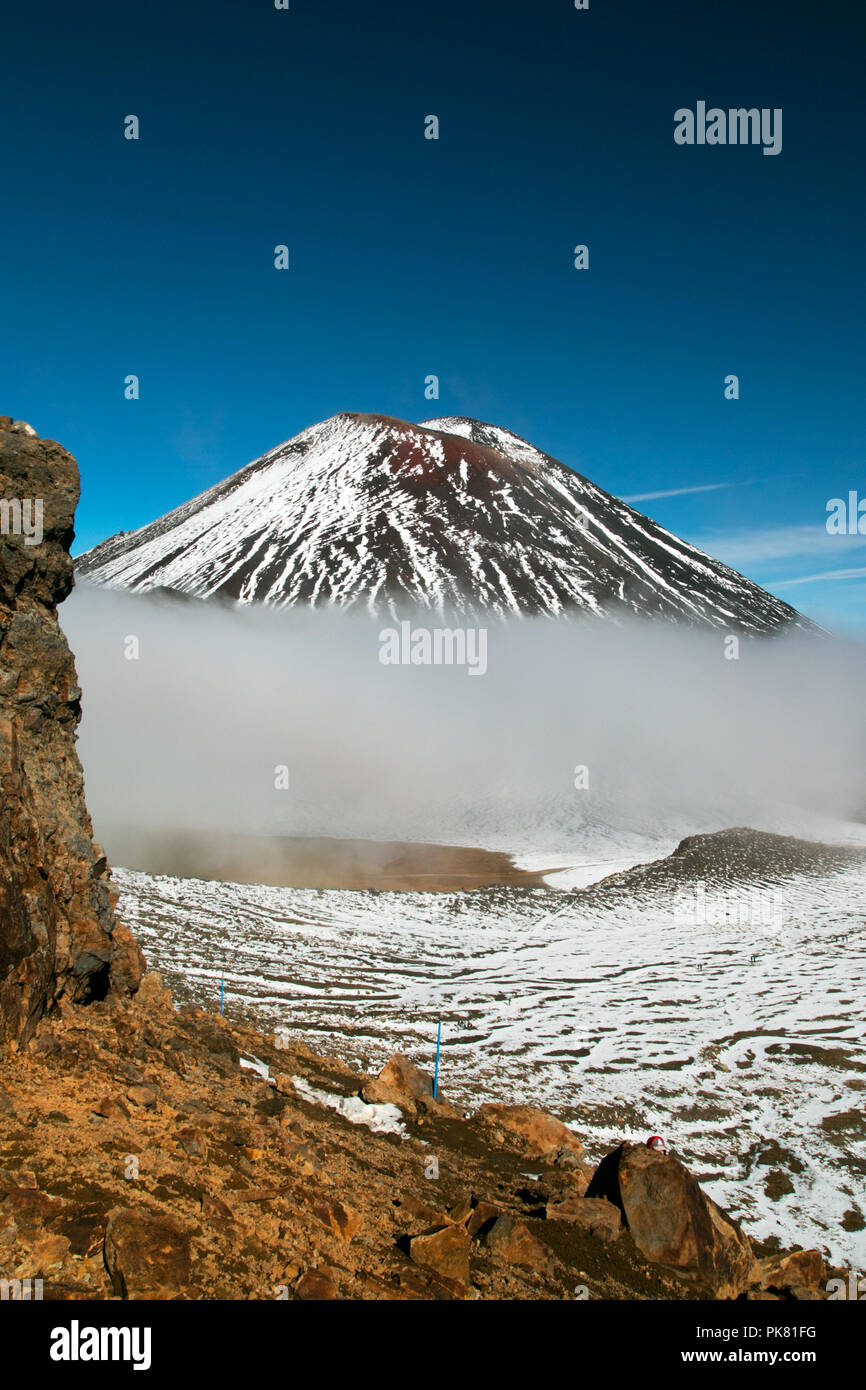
(452, 515)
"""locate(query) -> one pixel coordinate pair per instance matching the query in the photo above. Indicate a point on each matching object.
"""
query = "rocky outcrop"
(59, 937)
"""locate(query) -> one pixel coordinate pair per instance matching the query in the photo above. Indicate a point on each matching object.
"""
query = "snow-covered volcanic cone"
(452, 515)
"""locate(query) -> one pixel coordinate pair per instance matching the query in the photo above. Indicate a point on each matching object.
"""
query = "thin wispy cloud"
(674, 492)
(764, 545)
(859, 573)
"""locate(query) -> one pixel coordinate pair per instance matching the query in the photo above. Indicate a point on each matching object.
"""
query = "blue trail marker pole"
(436, 1074)
(222, 994)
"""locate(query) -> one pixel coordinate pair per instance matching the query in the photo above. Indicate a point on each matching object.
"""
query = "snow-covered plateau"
(729, 1020)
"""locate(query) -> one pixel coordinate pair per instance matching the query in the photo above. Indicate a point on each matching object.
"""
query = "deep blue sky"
(453, 257)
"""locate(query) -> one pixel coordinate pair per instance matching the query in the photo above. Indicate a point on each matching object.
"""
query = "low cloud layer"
(195, 732)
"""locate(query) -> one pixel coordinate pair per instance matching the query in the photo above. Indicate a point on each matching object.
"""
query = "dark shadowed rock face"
(58, 933)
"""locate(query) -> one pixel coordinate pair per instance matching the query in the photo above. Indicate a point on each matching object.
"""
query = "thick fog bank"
(205, 718)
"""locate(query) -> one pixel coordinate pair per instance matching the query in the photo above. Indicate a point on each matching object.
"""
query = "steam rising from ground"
(676, 738)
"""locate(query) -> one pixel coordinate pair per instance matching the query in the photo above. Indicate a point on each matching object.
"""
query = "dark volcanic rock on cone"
(58, 932)
(672, 1221)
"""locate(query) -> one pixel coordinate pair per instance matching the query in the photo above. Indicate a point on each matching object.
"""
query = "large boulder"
(402, 1077)
(672, 1221)
(59, 936)
(532, 1131)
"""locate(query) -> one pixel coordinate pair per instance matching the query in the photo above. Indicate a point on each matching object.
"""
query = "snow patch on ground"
(253, 1064)
(381, 1119)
